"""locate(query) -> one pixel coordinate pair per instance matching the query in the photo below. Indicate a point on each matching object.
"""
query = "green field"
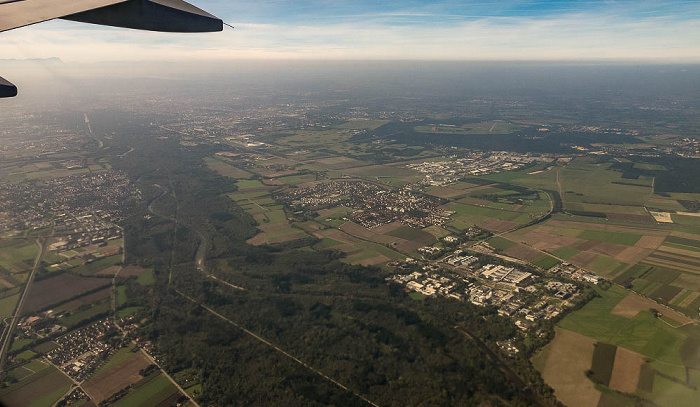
(643, 334)
(409, 233)
(98, 265)
(79, 316)
(225, 169)
(566, 252)
(585, 181)
(148, 392)
(368, 250)
(121, 296)
(628, 239)
(604, 265)
(327, 243)
(546, 262)
(17, 255)
(146, 278)
(249, 184)
(297, 179)
(545, 179)
(500, 243)
(469, 211)
(116, 359)
(7, 306)
(125, 312)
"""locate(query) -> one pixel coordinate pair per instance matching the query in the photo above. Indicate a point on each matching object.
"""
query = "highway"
(6, 339)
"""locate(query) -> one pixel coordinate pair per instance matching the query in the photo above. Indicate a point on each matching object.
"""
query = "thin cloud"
(573, 36)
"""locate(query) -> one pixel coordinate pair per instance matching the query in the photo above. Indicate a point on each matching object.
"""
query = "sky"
(500, 30)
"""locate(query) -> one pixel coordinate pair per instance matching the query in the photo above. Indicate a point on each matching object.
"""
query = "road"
(200, 264)
(6, 339)
(90, 133)
(148, 356)
(280, 350)
(180, 389)
(114, 279)
(561, 193)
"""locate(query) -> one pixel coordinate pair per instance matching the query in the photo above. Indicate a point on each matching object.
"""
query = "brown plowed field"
(128, 271)
(569, 357)
(407, 246)
(632, 255)
(633, 304)
(87, 299)
(58, 289)
(587, 245)
(113, 380)
(387, 227)
(520, 251)
(583, 259)
(625, 375)
(497, 225)
(544, 238)
(650, 242)
(608, 249)
(364, 233)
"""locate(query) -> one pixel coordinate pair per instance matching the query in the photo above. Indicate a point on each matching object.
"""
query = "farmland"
(225, 169)
(149, 391)
(255, 198)
(119, 372)
(16, 255)
(63, 287)
(42, 387)
(563, 363)
(634, 347)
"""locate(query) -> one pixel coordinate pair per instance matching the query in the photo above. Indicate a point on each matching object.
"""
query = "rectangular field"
(116, 377)
(41, 389)
(60, 288)
(563, 364)
(151, 391)
(17, 255)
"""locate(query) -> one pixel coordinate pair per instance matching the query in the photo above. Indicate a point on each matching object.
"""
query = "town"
(521, 295)
(373, 205)
(474, 163)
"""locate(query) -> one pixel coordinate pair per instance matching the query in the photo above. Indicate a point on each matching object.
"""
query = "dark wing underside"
(153, 15)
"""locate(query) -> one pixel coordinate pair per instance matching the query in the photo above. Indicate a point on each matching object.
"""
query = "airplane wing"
(151, 15)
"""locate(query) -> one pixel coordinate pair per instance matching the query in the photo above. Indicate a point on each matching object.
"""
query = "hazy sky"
(650, 30)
